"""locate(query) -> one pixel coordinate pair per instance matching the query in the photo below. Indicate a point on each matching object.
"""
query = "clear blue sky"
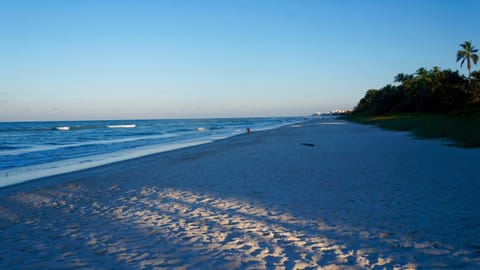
(63, 60)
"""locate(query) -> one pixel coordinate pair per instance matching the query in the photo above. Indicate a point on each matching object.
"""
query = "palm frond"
(460, 55)
(475, 58)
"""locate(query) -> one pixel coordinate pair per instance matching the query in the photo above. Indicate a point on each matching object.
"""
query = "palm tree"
(469, 54)
(423, 81)
(402, 77)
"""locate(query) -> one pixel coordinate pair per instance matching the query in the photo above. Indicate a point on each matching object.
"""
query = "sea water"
(30, 150)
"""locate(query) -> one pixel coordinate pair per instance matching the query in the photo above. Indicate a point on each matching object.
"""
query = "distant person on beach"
(248, 130)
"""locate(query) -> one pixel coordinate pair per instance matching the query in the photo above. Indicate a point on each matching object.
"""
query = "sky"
(86, 60)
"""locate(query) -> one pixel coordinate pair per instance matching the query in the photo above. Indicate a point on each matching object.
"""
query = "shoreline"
(325, 193)
(20, 175)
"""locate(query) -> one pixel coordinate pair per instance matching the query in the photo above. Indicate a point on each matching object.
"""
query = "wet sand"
(322, 194)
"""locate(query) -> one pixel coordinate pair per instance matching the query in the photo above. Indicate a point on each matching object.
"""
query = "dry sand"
(359, 198)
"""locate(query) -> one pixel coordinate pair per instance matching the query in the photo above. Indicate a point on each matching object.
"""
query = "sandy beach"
(324, 194)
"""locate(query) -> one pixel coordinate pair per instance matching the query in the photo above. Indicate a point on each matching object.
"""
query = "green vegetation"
(428, 91)
(431, 103)
(463, 131)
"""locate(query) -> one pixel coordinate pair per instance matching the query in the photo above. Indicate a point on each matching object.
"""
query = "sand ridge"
(172, 228)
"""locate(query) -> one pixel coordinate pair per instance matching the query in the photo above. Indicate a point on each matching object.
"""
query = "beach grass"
(463, 131)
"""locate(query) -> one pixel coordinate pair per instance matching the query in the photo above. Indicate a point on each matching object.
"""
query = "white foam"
(54, 147)
(122, 126)
(63, 128)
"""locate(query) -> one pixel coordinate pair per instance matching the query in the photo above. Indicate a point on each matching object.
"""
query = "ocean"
(30, 150)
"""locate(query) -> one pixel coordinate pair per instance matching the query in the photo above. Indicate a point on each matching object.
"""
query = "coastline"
(322, 193)
(16, 175)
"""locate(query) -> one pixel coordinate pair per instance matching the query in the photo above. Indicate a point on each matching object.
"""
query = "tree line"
(428, 90)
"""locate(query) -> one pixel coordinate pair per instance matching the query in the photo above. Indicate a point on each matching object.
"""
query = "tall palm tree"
(469, 54)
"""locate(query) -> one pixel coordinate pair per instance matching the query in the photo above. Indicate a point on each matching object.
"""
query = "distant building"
(332, 113)
(339, 112)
